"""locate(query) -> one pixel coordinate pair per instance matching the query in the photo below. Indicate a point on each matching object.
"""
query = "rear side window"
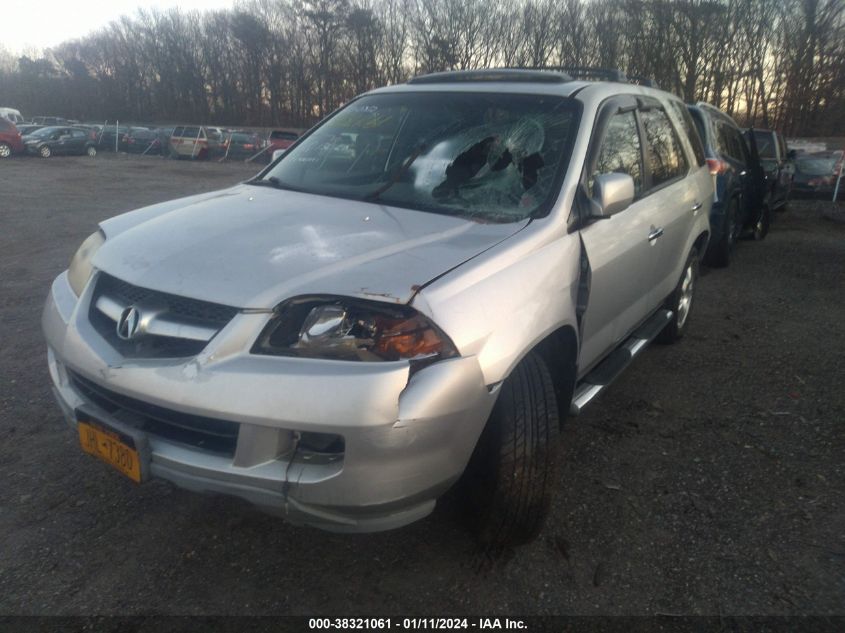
(620, 150)
(663, 152)
(285, 136)
(4, 124)
(690, 130)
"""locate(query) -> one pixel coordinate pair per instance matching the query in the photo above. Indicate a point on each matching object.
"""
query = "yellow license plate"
(107, 446)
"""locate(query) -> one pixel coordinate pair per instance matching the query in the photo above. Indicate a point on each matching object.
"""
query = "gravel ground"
(708, 480)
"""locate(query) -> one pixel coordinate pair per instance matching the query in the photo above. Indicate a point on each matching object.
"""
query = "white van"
(13, 115)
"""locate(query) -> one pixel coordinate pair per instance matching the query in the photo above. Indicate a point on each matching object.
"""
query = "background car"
(281, 139)
(775, 157)
(241, 144)
(196, 142)
(140, 140)
(816, 173)
(49, 120)
(10, 139)
(740, 187)
(28, 128)
(12, 115)
(107, 134)
(50, 141)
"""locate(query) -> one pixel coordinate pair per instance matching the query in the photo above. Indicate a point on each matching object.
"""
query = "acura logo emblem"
(129, 323)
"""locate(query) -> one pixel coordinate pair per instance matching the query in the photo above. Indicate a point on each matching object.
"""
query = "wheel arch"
(559, 350)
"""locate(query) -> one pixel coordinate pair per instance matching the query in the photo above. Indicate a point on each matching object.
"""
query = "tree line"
(772, 63)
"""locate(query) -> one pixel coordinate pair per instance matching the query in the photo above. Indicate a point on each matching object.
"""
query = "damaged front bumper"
(344, 446)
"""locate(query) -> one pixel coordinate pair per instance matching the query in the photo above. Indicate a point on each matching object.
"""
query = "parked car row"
(410, 299)
(195, 142)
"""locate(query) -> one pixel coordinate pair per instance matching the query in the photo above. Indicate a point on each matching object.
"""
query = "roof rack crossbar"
(590, 72)
(641, 80)
(491, 74)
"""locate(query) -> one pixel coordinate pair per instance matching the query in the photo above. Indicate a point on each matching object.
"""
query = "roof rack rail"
(640, 80)
(590, 72)
(493, 74)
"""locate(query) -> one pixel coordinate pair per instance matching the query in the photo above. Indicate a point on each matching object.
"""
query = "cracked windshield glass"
(490, 157)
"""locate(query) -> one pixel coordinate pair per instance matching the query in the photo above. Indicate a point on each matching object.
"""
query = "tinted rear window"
(285, 136)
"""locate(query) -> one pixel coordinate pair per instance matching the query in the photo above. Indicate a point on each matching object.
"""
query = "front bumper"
(406, 441)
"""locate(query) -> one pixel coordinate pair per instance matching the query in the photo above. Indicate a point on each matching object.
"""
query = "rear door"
(674, 198)
(64, 144)
(76, 143)
(620, 255)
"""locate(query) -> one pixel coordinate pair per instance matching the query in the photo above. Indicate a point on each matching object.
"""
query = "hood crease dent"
(252, 247)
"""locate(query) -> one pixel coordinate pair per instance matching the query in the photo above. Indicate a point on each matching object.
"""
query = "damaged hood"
(252, 247)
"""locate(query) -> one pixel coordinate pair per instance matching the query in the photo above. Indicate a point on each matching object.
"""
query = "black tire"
(761, 229)
(91, 151)
(508, 483)
(719, 254)
(5, 150)
(44, 151)
(675, 329)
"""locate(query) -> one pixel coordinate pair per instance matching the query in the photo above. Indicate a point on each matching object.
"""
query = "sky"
(40, 24)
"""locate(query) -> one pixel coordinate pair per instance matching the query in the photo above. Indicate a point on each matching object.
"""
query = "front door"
(620, 255)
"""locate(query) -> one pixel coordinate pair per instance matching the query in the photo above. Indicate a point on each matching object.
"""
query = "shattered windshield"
(496, 157)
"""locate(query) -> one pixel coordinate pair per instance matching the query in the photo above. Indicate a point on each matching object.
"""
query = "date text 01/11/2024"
(433, 624)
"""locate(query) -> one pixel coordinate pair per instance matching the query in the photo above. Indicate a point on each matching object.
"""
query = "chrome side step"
(617, 361)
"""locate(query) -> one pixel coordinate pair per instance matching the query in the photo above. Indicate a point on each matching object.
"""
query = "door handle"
(696, 207)
(655, 233)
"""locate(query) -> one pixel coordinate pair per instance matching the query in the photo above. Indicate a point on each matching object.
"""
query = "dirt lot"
(708, 480)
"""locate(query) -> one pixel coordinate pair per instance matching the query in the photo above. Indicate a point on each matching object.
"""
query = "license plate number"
(110, 448)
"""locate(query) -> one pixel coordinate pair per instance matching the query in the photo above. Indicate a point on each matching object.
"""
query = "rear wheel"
(45, 151)
(680, 301)
(91, 151)
(5, 150)
(508, 483)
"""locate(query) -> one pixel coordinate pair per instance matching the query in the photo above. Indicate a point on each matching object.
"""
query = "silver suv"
(412, 297)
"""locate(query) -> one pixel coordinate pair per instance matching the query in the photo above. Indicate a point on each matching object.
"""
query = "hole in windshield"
(497, 157)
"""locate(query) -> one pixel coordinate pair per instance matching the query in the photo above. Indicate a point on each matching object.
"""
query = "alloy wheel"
(685, 296)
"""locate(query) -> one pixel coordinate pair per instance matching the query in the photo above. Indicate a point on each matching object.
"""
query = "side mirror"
(612, 193)
(277, 153)
(791, 154)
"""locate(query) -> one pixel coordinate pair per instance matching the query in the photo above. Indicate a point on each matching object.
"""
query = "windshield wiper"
(272, 181)
(399, 173)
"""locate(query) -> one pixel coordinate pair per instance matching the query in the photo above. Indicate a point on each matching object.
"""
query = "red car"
(281, 139)
(10, 139)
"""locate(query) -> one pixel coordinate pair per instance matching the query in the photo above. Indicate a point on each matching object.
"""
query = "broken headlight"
(342, 328)
(80, 269)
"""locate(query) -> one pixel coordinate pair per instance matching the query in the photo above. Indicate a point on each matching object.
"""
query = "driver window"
(620, 150)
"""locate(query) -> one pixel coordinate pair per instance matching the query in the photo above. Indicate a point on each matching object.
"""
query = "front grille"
(176, 310)
(211, 434)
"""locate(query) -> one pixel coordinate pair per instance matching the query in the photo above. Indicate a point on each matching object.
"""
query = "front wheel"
(91, 151)
(680, 301)
(510, 476)
(45, 151)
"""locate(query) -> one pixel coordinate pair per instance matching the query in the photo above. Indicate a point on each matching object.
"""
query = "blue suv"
(740, 200)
